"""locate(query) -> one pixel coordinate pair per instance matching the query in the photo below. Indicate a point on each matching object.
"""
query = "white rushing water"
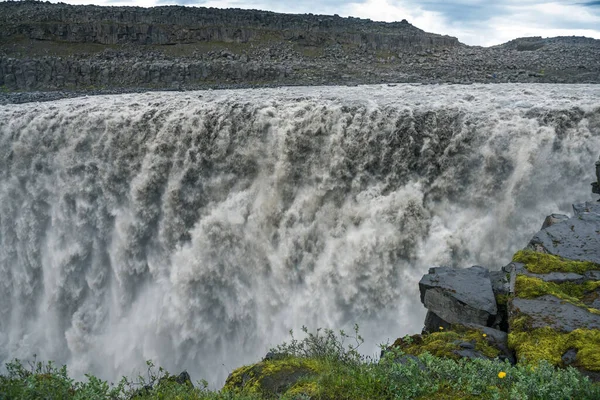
(195, 229)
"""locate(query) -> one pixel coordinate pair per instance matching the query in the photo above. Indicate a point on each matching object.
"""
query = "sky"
(474, 22)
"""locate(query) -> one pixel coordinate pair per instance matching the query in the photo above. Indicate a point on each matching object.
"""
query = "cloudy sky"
(474, 22)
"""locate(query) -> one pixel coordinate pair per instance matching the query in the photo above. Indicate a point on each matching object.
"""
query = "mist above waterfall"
(195, 229)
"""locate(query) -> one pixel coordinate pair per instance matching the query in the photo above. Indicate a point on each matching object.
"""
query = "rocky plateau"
(65, 48)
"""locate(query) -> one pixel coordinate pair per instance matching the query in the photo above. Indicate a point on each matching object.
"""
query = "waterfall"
(197, 228)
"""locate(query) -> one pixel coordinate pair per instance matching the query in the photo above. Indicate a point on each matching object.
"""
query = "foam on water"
(195, 229)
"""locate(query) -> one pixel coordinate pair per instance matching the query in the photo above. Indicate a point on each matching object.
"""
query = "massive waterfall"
(196, 229)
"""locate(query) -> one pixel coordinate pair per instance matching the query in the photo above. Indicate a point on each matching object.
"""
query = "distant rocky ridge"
(172, 25)
(61, 47)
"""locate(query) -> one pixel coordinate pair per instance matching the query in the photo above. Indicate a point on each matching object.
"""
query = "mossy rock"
(581, 295)
(541, 263)
(556, 322)
(273, 378)
(181, 379)
(534, 345)
(453, 343)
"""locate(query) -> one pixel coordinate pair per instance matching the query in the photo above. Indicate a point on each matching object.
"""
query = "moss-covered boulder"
(276, 377)
(454, 343)
(553, 313)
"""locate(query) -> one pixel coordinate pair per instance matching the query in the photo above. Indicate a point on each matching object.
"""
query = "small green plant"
(323, 344)
(47, 381)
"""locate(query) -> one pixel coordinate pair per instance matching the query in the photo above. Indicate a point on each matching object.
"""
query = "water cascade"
(196, 229)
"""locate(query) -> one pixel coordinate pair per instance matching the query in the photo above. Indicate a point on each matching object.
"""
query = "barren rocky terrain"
(60, 47)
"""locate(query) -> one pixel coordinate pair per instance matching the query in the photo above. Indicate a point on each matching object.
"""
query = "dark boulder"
(596, 185)
(271, 378)
(554, 219)
(459, 296)
(576, 238)
(433, 323)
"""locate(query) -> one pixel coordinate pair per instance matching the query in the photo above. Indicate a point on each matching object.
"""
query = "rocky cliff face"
(175, 25)
(47, 46)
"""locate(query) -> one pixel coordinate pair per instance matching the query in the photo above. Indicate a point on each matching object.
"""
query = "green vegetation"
(540, 263)
(47, 381)
(322, 366)
(529, 287)
(534, 345)
(444, 344)
(546, 344)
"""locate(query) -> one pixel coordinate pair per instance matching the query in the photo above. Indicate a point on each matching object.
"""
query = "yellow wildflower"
(501, 374)
(484, 335)
(441, 328)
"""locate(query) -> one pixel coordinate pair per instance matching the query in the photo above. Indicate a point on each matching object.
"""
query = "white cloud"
(543, 19)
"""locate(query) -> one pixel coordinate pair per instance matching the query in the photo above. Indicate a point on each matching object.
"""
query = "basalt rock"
(550, 311)
(173, 25)
(596, 185)
(271, 378)
(576, 238)
(62, 47)
(459, 296)
(554, 219)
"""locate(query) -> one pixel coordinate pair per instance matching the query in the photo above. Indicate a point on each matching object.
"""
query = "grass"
(321, 366)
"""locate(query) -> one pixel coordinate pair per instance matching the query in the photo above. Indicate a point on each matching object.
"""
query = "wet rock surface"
(576, 238)
(549, 311)
(60, 47)
(459, 296)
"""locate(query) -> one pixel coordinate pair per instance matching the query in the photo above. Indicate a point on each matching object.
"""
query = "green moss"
(240, 377)
(520, 322)
(444, 344)
(272, 377)
(528, 287)
(303, 388)
(532, 346)
(540, 263)
(502, 299)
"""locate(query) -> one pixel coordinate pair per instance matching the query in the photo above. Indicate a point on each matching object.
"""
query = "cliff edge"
(59, 47)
